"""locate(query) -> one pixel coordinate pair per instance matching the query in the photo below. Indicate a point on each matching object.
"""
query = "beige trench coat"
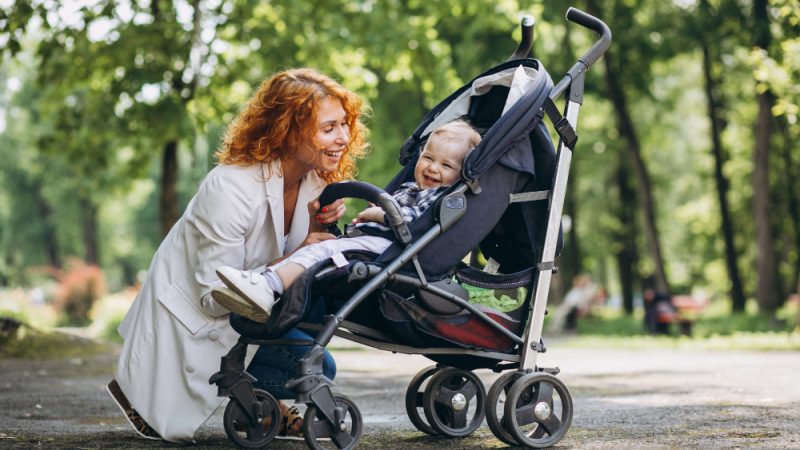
(175, 333)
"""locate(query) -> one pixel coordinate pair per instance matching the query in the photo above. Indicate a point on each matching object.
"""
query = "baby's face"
(439, 164)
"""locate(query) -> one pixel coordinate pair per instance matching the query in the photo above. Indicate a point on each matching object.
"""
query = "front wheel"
(320, 434)
(243, 431)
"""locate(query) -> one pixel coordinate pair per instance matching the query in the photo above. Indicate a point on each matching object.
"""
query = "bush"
(79, 286)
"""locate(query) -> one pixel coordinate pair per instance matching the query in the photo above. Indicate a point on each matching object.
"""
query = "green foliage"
(89, 99)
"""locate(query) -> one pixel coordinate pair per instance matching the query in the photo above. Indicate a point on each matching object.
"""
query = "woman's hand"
(322, 217)
(371, 214)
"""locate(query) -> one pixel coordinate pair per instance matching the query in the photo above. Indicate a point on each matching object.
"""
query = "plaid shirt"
(413, 202)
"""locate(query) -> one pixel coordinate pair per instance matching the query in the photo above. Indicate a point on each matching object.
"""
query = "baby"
(252, 294)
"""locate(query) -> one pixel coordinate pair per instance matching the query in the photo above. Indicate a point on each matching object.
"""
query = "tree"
(627, 130)
(706, 29)
(767, 292)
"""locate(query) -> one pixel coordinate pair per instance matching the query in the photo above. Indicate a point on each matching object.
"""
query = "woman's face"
(330, 138)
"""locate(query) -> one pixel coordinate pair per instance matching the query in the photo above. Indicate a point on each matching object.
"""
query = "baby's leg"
(289, 272)
(290, 268)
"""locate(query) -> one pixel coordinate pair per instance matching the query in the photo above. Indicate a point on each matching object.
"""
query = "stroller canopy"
(515, 155)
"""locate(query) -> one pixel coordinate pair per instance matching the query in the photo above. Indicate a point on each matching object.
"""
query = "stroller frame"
(337, 417)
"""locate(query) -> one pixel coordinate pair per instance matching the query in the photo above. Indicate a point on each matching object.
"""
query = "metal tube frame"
(533, 332)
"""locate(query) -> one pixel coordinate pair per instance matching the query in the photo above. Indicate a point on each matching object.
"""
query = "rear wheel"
(453, 402)
(414, 400)
(538, 410)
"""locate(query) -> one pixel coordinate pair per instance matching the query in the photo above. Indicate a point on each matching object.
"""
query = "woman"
(300, 131)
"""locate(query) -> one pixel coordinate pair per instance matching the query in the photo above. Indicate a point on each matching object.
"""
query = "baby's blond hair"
(457, 131)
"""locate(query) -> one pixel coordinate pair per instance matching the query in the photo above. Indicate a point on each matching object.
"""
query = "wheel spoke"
(469, 390)
(525, 415)
(459, 419)
(254, 433)
(551, 424)
(322, 428)
(444, 396)
(539, 432)
(544, 393)
(342, 439)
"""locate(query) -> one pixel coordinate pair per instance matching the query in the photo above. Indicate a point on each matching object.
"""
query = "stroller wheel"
(320, 434)
(538, 410)
(449, 398)
(240, 428)
(495, 407)
(414, 397)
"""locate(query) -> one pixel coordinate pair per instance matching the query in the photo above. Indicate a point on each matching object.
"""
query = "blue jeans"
(274, 365)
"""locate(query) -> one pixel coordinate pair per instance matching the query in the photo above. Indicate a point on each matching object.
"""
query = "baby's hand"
(372, 214)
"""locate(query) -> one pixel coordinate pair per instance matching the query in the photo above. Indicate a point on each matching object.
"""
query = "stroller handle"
(526, 41)
(373, 194)
(587, 59)
(592, 23)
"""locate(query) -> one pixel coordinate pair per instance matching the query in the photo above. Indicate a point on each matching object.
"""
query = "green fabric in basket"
(504, 300)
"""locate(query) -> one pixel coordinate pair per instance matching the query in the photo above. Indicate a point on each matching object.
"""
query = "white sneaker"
(236, 303)
(252, 288)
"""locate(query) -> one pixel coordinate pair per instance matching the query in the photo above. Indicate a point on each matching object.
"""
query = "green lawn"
(713, 328)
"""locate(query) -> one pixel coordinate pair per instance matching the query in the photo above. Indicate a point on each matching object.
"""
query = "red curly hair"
(281, 118)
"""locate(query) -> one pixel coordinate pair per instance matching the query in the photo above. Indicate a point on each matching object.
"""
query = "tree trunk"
(766, 290)
(626, 254)
(720, 157)
(790, 170)
(647, 204)
(168, 202)
(767, 287)
(89, 230)
(49, 236)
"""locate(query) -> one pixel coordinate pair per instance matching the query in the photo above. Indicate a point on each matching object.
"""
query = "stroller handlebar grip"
(350, 189)
(593, 23)
(370, 193)
(526, 40)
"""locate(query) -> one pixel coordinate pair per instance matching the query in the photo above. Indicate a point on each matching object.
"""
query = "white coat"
(175, 333)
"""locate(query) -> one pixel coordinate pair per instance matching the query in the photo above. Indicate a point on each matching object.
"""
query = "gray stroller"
(419, 297)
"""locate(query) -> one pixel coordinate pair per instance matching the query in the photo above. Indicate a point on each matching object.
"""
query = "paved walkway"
(622, 399)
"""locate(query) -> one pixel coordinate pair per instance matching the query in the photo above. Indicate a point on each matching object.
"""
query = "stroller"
(419, 297)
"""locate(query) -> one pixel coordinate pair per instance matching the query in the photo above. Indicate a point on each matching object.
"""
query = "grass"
(32, 343)
(713, 328)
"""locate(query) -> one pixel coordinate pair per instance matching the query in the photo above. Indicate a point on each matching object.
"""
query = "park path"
(634, 399)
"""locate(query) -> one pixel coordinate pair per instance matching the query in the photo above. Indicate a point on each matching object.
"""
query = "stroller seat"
(420, 296)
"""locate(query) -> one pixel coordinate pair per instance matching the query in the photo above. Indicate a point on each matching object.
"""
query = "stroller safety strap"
(562, 125)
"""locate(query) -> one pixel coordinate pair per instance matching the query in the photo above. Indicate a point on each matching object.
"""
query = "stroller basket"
(418, 297)
(502, 298)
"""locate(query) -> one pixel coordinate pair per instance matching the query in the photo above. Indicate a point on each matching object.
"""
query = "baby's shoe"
(254, 299)
(236, 303)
